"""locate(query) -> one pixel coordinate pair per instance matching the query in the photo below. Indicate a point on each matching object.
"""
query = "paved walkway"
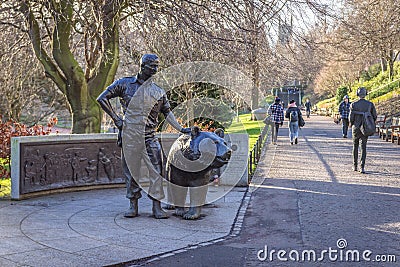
(304, 197)
(88, 229)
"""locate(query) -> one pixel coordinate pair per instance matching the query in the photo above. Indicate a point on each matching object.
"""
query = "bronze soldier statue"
(141, 123)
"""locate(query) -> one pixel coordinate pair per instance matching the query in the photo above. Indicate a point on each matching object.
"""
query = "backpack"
(368, 126)
(301, 122)
(294, 116)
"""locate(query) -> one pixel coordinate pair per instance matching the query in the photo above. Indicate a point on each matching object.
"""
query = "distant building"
(291, 90)
(285, 32)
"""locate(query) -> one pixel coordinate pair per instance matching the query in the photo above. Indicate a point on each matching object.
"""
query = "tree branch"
(110, 58)
(51, 69)
(62, 13)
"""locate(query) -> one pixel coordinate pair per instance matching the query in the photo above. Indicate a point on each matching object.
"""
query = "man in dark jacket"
(344, 110)
(356, 120)
(308, 108)
(140, 122)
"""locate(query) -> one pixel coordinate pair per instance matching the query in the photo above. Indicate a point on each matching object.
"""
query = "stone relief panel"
(68, 164)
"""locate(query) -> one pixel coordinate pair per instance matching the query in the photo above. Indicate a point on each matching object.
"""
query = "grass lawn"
(5, 184)
(5, 188)
(253, 128)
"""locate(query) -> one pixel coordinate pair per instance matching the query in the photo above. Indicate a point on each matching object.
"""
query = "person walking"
(344, 109)
(308, 108)
(293, 113)
(140, 123)
(356, 120)
(275, 111)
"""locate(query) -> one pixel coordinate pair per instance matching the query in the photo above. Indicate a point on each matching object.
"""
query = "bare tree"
(27, 95)
(77, 43)
(238, 33)
(372, 26)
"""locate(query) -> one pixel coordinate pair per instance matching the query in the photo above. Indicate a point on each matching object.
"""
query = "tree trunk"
(82, 105)
(383, 64)
(86, 119)
(65, 71)
(391, 70)
(256, 85)
(390, 61)
(189, 108)
(255, 63)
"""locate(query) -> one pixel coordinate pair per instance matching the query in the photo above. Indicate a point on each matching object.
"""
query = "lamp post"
(300, 101)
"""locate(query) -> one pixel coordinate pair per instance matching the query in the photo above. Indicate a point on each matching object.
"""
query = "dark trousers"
(150, 153)
(345, 126)
(357, 136)
(275, 130)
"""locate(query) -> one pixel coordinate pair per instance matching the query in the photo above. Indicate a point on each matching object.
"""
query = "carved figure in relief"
(29, 169)
(107, 164)
(91, 171)
(76, 166)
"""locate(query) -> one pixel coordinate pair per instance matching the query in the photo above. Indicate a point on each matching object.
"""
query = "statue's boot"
(133, 209)
(158, 212)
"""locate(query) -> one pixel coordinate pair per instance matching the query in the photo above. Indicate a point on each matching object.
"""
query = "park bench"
(325, 112)
(380, 122)
(395, 132)
(322, 112)
(386, 131)
(336, 118)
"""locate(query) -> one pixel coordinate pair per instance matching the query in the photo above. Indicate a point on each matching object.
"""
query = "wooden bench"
(395, 132)
(386, 131)
(322, 112)
(380, 122)
(336, 118)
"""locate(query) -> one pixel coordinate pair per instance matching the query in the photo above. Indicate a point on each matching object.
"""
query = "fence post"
(251, 163)
(255, 152)
(254, 157)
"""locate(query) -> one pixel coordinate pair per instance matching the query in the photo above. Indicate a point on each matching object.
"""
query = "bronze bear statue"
(189, 164)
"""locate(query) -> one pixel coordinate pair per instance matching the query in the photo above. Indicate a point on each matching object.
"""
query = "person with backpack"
(293, 113)
(362, 120)
(275, 112)
(344, 110)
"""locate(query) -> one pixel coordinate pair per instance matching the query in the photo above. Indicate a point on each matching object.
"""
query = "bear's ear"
(220, 132)
(195, 131)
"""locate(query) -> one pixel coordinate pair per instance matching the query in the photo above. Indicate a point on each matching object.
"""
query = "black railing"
(255, 153)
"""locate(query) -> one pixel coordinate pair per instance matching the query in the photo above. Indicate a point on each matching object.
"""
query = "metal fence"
(255, 153)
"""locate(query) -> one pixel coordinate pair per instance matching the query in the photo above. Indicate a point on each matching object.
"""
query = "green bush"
(340, 93)
(268, 100)
(374, 70)
(384, 90)
(377, 80)
(5, 188)
(364, 76)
